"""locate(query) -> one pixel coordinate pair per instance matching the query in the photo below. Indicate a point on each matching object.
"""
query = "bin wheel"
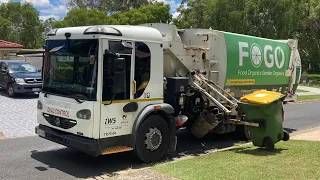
(268, 144)
(286, 136)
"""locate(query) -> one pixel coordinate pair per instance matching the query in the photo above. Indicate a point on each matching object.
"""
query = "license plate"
(35, 89)
(41, 133)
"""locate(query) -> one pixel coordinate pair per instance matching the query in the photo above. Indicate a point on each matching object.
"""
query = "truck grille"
(60, 121)
(33, 80)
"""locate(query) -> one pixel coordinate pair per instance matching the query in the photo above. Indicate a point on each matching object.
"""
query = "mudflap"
(173, 137)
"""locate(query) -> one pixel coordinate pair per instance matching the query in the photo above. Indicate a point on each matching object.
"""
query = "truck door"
(117, 106)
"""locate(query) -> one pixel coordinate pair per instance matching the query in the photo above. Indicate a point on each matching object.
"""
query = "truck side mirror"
(126, 45)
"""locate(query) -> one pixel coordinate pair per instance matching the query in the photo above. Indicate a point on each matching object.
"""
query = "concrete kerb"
(305, 131)
(2, 136)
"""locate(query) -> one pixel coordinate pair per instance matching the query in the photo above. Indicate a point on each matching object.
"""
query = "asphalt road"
(35, 158)
(301, 116)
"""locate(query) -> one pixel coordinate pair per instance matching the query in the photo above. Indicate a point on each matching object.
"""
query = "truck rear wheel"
(152, 139)
(242, 133)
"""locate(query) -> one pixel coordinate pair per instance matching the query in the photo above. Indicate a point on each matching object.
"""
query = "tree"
(154, 13)
(20, 23)
(82, 17)
(309, 35)
(109, 6)
(157, 12)
(5, 30)
(275, 19)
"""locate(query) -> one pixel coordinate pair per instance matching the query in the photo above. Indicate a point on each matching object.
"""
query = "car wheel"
(10, 90)
(152, 139)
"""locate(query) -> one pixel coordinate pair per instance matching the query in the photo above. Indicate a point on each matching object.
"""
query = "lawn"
(312, 76)
(291, 160)
(308, 97)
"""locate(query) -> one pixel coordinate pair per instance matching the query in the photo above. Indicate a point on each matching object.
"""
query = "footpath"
(310, 91)
(312, 134)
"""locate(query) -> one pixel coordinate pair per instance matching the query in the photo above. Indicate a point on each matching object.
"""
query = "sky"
(58, 8)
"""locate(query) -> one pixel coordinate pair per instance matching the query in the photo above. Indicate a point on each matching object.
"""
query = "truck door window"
(142, 67)
(107, 94)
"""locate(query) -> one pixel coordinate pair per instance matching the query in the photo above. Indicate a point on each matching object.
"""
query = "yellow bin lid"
(261, 97)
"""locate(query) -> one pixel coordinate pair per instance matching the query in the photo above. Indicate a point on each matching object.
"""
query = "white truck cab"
(99, 95)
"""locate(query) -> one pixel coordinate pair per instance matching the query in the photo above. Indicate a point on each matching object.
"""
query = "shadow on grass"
(257, 151)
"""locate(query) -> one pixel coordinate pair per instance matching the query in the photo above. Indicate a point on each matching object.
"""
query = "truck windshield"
(70, 68)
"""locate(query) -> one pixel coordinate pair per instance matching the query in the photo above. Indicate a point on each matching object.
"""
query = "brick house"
(7, 47)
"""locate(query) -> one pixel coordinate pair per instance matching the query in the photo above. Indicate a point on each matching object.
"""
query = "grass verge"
(312, 75)
(291, 160)
(308, 97)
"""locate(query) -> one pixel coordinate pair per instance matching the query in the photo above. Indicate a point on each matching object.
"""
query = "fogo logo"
(257, 56)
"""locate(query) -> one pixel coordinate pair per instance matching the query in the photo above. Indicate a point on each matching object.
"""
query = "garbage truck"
(116, 88)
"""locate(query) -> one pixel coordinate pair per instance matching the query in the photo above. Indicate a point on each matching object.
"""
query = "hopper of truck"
(240, 64)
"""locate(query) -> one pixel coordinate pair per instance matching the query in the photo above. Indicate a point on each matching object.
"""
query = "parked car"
(19, 77)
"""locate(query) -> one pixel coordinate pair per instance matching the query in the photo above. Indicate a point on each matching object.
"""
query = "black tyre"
(268, 144)
(242, 133)
(286, 136)
(152, 139)
(10, 90)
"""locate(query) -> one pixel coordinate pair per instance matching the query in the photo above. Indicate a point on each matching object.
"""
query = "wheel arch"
(166, 111)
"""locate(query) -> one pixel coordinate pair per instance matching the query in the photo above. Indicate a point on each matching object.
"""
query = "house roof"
(7, 44)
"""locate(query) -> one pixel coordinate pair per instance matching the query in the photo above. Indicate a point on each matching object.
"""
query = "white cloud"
(175, 14)
(61, 9)
(172, 4)
(43, 18)
(4, 1)
(38, 3)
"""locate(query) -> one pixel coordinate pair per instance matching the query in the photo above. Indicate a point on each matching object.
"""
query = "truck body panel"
(229, 59)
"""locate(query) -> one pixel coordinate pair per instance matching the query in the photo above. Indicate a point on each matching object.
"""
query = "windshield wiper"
(69, 94)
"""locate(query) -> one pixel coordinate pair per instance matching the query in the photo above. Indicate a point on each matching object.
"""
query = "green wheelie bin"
(266, 109)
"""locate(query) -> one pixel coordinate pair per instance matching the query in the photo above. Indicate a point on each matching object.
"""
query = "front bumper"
(86, 145)
(27, 88)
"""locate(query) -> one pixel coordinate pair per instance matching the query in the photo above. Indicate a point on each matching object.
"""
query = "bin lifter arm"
(200, 82)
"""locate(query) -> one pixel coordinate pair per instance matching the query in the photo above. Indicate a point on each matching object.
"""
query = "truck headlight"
(84, 114)
(39, 105)
(19, 80)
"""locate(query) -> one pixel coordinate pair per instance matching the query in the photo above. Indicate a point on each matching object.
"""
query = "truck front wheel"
(152, 139)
